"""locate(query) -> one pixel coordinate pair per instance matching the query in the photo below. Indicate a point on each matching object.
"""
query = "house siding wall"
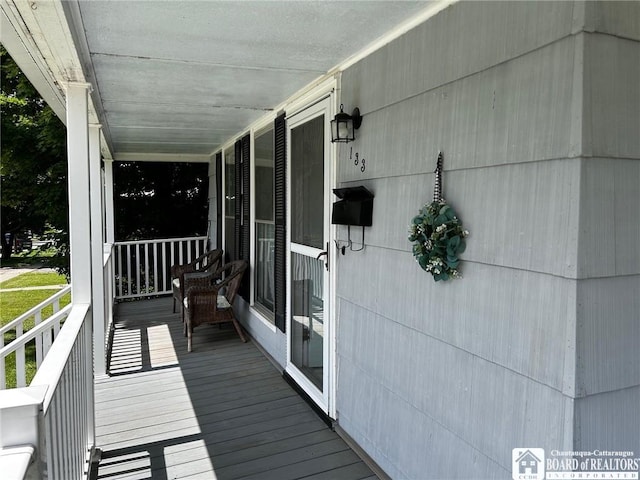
(536, 341)
(608, 303)
(272, 340)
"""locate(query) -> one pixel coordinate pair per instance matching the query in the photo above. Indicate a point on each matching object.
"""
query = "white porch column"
(108, 201)
(97, 255)
(79, 212)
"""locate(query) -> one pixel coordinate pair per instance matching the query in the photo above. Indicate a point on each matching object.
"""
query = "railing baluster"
(155, 266)
(64, 422)
(146, 268)
(138, 269)
(173, 253)
(173, 257)
(129, 262)
(67, 415)
(47, 341)
(37, 320)
(128, 291)
(56, 331)
(119, 270)
(21, 375)
(164, 266)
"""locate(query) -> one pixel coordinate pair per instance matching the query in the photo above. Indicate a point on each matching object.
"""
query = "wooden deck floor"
(221, 412)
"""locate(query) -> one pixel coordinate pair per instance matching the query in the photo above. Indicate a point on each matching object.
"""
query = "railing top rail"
(31, 312)
(34, 332)
(54, 363)
(17, 460)
(160, 240)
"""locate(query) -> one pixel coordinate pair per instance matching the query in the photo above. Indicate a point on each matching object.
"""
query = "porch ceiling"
(180, 78)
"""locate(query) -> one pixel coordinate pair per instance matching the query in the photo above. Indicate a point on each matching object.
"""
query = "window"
(230, 204)
(264, 223)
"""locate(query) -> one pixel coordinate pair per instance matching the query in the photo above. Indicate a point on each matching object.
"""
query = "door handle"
(325, 254)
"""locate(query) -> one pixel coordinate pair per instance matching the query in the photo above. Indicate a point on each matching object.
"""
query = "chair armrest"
(180, 269)
(177, 271)
(201, 296)
(198, 279)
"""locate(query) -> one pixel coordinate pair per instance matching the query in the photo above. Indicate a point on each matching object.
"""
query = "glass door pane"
(309, 280)
(307, 183)
(307, 326)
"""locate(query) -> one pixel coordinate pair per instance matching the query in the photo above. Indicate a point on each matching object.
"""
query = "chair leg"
(189, 334)
(239, 330)
(174, 304)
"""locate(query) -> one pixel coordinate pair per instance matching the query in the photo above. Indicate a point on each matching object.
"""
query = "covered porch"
(534, 105)
(182, 92)
(223, 411)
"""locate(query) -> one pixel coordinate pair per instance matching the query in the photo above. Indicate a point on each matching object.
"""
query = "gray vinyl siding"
(274, 343)
(608, 293)
(536, 106)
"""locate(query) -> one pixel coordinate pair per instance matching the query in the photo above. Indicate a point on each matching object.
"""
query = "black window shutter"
(280, 207)
(236, 254)
(219, 200)
(245, 229)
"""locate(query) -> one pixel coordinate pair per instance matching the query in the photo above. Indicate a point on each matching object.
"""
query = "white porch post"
(80, 216)
(108, 200)
(97, 258)
(110, 239)
(79, 213)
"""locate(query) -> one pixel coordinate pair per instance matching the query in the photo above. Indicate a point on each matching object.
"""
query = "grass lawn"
(14, 304)
(34, 279)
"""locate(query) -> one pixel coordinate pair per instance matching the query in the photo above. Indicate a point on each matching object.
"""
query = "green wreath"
(438, 239)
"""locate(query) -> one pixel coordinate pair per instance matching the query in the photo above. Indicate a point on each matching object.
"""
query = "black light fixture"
(343, 125)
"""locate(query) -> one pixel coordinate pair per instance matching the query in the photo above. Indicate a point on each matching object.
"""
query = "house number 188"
(357, 160)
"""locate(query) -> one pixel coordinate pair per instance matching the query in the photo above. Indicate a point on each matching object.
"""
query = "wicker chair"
(208, 261)
(209, 299)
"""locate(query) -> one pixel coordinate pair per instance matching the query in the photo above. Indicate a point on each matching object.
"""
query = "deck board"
(221, 412)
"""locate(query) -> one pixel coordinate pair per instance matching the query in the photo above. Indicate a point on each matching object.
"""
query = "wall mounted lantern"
(343, 125)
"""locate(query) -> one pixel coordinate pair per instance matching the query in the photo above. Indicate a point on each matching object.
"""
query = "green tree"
(160, 200)
(33, 163)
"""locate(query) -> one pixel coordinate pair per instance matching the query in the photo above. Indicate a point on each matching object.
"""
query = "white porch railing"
(53, 417)
(109, 299)
(42, 334)
(143, 267)
(47, 429)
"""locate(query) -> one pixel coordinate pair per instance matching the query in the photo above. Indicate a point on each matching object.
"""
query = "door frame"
(320, 101)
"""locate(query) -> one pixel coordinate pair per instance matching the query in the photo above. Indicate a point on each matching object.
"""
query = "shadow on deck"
(220, 412)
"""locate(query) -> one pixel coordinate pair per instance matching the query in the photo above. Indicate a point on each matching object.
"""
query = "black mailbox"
(355, 206)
